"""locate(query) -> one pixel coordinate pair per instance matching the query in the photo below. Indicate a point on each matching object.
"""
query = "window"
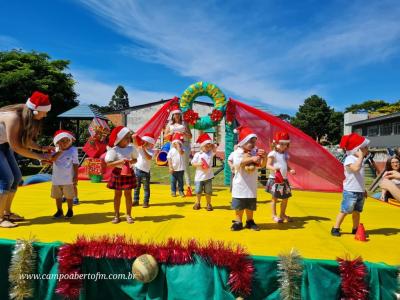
(358, 131)
(372, 130)
(396, 128)
(386, 129)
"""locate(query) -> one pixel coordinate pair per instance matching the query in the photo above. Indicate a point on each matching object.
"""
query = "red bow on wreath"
(190, 116)
(216, 115)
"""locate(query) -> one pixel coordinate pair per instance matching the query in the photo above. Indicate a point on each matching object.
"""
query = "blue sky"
(271, 53)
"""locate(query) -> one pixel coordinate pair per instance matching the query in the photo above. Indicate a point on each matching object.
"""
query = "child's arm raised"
(355, 167)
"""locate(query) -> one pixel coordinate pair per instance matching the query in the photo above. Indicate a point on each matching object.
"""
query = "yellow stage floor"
(313, 215)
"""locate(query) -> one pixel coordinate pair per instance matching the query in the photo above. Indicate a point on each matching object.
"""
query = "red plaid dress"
(118, 182)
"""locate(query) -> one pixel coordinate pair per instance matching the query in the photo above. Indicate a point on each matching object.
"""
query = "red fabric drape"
(157, 122)
(316, 168)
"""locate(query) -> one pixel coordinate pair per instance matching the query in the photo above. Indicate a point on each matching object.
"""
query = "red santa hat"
(204, 139)
(117, 134)
(38, 102)
(175, 109)
(177, 138)
(149, 137)
(352, 142)
(281, 137)
(245, 135)
(60, 134)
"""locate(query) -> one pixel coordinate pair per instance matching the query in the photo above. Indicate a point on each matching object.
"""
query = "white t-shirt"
(354, 181)
(244, 184)
(143, 163)
(202, 174)
(230, 157)
(63, 167)
(178, 160)
(118, 153)
(279, 161)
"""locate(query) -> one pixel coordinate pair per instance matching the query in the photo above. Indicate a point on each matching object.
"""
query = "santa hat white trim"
(282, 141)
(177, 141)
(32, 106)
(247, 138)
(148, 139)
(362, 145)
(206, 142)
(121, 134)
(62, 135)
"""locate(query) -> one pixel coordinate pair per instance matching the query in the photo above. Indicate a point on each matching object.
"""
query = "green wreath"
(203, 89)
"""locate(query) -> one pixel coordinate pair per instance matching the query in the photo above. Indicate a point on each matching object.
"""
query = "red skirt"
(118, 182)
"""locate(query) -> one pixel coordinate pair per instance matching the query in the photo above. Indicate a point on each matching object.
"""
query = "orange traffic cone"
(189, 192)
(360, 234)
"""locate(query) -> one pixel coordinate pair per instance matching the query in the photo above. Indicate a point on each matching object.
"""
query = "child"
(392, 164)
(354, 193)
(121, 155)
(277, 164)
(65, 172)
(230, 164)
(203, 162)
(244, 185)
(176, 164)
(142, 167)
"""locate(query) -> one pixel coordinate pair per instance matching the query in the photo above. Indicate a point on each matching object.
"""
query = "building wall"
(136, 118)
(351, 118)
(117, 119)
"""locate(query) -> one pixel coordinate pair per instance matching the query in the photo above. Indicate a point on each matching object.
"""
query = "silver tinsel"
(23, 263)
(290, 270)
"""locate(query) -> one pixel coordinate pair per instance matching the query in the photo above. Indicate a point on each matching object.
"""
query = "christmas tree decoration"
(290, 270)
(353, 273)
(23, 263)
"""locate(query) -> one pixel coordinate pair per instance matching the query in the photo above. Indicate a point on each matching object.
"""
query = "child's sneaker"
(236, 226)
(209, 207)
(276, 219)
(173, 194)
(335, 231)
(182, 194)
(58, 214)
(146, 205)
(196, 206)
(251, 225)
(75, 201)
(69, 214)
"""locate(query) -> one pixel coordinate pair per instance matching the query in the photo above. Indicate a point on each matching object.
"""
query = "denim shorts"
(244, 203)
(205, 185)
(352, 201)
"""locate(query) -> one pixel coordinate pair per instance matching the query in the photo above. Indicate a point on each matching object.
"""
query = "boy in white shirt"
(176, 164)
(354, 193)
(145, 151)
(65, 172)
(244, 184)
(203, 162)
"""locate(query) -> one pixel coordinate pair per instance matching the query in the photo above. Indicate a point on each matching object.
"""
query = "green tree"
(21, 73)
(317, 119)
(369, 106)
(120, 99)
(285, 117)
(391, 108)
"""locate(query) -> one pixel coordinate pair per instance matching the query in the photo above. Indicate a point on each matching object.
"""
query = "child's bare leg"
(239, 215)
(198, 196)
(356, 219)
(117, 202)
(69, 203)
(283, 208)
(249, 214)
(273, 206)
(339, 219)
(208, 199)
(59, 203)
(128, 201)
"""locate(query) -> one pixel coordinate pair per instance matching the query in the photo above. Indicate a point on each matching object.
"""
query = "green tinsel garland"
(23, 262)
(290, 270)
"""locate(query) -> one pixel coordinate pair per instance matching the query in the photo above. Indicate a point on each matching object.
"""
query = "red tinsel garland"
(216, 115)
(190, 116)
(352, 273)
(230, 112)
(174, 252)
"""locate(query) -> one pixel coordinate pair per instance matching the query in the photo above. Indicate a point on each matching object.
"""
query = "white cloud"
(8, 42)
(92, 90)
(232, 48)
